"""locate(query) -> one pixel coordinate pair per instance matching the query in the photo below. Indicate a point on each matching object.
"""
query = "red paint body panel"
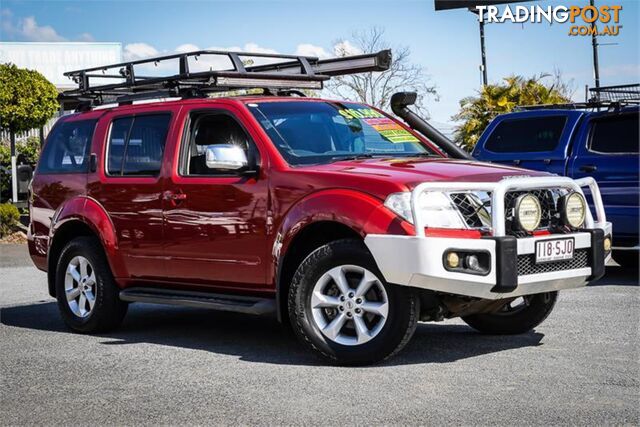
(226, 233)
(217, 235)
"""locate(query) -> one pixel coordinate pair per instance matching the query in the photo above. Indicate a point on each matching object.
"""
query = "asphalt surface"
(169, 365)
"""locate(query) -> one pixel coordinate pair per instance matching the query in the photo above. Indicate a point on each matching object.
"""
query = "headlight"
(435, 207)
(574, 210)
(528, 212)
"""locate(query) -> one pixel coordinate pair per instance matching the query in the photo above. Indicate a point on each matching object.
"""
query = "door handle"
(588, 168)
(174, 198)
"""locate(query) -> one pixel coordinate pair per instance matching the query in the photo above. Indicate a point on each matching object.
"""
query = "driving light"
(575, 210)
(607, 244)
(528, 212)
(453, 260)
(436, 209)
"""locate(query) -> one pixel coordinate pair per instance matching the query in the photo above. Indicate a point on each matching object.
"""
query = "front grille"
(475, 208)
(527, 263)
(469, 207)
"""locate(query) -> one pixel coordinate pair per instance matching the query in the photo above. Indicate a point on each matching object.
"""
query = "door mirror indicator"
(226, 157)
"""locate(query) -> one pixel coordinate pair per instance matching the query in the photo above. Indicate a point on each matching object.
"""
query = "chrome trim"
(500, 188)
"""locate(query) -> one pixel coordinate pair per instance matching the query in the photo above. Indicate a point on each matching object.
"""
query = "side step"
(241, 304)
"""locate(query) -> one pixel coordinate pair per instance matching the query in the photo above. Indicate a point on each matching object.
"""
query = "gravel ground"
(173, 365)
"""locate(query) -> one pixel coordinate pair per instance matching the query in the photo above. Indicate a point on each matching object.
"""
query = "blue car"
(578, 143)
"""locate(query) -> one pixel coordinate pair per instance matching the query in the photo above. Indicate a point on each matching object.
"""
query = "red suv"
(334, 216)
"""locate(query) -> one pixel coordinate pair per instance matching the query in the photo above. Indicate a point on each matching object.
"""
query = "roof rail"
(204, 71)
(609, 105)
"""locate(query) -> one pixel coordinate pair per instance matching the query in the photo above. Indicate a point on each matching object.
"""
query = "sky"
(445, 43)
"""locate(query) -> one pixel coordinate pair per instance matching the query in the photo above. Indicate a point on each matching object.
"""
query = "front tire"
(88, 297)
(517, 317)
(341, 308)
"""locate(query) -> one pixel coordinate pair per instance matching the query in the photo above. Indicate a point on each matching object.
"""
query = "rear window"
(67, 149)
(136, 145)
(618, 134)
(526, 135)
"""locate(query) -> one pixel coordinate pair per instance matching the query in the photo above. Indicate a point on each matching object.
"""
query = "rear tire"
(515, 320)
(88, 297)
(341, 308)
(627, 259)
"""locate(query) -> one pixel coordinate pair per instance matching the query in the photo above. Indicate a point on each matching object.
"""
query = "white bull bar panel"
(417, 261)
(498, 191)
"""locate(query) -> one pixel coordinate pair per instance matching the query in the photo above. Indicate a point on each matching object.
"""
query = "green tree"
(27, 101)
(476, 112)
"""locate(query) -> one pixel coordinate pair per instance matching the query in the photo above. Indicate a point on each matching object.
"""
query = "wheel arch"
(321, 218)
(308, 239)
(80, 217)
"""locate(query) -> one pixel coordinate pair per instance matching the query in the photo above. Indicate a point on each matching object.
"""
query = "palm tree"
(477, 112)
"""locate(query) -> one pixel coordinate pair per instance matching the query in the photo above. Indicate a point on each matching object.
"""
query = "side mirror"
(226, 157)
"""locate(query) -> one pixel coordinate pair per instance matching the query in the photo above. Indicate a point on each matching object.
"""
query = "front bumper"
(418, 261)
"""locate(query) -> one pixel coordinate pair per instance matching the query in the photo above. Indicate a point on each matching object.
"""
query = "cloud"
(141, 50)
(307, 49)
(30, 30)
(85, 37)
(135, 51)
(345, 48)
(187, 47)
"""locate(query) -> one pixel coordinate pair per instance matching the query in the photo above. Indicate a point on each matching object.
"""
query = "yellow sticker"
(391, 130)
(362, 113)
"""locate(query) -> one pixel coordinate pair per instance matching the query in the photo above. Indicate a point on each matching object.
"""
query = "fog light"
(453, 260)
(473, 263)
(607, 244)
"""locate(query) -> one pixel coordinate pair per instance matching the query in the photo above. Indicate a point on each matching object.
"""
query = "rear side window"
(67, 149)
(526, 135)
(136, 145)
(618, 134)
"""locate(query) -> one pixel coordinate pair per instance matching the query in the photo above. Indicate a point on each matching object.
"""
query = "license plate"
(554, 250)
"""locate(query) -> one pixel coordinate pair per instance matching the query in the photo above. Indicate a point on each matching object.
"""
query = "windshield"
(323, 132)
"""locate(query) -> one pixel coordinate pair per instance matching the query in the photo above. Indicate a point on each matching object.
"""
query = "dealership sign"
(585, 20)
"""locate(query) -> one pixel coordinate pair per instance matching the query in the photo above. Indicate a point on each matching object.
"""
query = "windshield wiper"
(347, 157)
(422, 154)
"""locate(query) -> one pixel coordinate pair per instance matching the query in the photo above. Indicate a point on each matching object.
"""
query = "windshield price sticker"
(386, 127)
(360, 113)
(391, 130)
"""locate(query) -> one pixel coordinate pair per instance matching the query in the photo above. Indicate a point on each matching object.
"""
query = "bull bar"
(416, 261)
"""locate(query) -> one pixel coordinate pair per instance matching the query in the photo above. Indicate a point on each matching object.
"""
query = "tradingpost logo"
(584, 20)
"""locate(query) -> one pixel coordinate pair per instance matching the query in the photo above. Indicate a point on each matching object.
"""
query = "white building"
(54, 59)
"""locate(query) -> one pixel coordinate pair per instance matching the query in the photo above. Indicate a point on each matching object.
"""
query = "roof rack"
(201, 72)
(615, 93)
(613, 98)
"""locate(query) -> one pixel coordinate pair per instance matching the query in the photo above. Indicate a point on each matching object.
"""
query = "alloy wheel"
(350, 305)
(80, 286)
